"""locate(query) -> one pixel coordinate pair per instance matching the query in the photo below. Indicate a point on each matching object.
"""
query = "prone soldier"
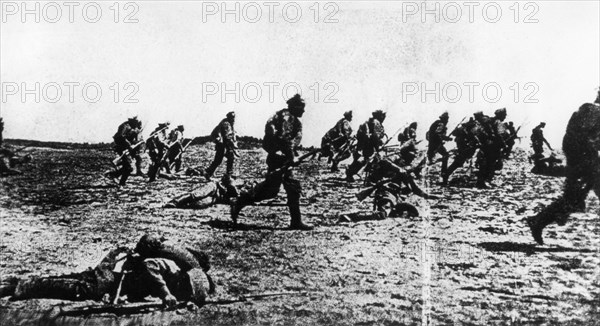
(283, 133)
(9, 160)
(369, 140)
(581, 145)
(209, 194)
(155, 268)
(335, 139)
(225, 145)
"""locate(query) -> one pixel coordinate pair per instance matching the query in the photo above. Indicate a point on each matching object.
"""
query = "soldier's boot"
(557, 212)
(181, 201)
(334, 166)
(236, 205)
(229, 168)
(296, 218)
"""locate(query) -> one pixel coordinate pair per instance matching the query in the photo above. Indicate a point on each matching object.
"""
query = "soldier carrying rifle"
(176, 147)
(337, 137)
(125, 145)
(369, 140)
(157, 149)
(283, 133)
(225, 145)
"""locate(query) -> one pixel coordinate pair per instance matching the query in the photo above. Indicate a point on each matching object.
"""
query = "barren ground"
(468, 260)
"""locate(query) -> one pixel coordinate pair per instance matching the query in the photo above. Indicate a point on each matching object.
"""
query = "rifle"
(141, 307)
(365, 193)
(116, 161)
(291, 164)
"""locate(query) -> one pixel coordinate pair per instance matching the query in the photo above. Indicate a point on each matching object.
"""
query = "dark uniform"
(1, 131)
(157, 146)
(492, 146)
(176, 147)
(9, 161)
(209, 194)
(581, 145)
(409, 133)
(225, 144)
(511, 138)
(283, 133)
(468, 139)
(335, 139)
(155, 268)
(436, 137)
(369, 140)
(125, 138)
(537, 142)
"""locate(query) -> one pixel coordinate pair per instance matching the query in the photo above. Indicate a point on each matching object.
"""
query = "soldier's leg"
(219, 153)
(431, 151)
(126, 169)
(230, 161)
(138, 164)
(355, 166)
(74, 287)
(442, 150)
(293, 189)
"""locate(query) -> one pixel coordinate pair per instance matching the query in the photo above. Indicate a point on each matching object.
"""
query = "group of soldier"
(174, 274)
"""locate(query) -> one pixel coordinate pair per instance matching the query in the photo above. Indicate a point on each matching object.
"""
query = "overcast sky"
(367, 56)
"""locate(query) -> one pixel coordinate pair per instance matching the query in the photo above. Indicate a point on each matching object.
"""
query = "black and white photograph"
(307, 162)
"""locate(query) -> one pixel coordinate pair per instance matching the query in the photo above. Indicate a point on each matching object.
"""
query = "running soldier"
(581, 145)
(436, 137)
(369, 140)
(225, 145)
(155, 268)
(468, 140)
(125, 145)
(157, 147)
(537, 142)
(336, 138)
(176, 147)
(492, 146)
(283, 133)
(409, 133)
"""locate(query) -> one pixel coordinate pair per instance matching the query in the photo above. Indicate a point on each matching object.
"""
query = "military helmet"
(231, 115)
(379, 115)
(348, 114)
(478, 114)
(500, 112)
(180, 128)
(543, 124)
(296, 101)
(444, 116)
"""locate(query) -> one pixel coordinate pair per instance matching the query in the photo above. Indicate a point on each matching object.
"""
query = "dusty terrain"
(468, 260)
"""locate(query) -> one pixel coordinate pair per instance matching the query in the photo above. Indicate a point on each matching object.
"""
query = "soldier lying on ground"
(393, 183)
(549, 166)
(154, 268)
(212, 193)
(9, 160)
(581, 145)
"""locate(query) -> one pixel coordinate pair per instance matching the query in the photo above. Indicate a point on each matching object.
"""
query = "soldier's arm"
(154, 269)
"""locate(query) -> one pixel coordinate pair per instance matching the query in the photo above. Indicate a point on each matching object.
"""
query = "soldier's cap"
(348, 114)
(478, 114)
(444, 115)
(162, 125)
(378, 113)
(180, 127)
(501, 111)
(413, 124)
(296, 101)
(231, 114)
(543, 124)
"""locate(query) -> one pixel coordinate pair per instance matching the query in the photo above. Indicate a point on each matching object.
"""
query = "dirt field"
(468, 260)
